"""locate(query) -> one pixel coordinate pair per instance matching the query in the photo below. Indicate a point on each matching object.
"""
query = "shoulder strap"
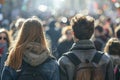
(73, 58)
(98, 55)
(76, 61)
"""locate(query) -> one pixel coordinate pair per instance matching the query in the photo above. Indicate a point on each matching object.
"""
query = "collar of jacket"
(83, 45)
(35, 54)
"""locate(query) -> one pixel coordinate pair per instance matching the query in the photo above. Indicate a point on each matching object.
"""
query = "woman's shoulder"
(51, 63)
(9, 69)
(8, 72)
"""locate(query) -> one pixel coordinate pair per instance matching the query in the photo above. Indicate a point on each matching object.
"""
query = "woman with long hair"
(113, 49)
(4, 46)
(30, 58)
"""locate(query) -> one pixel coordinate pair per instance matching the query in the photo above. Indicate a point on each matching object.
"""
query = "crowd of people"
(35, 49)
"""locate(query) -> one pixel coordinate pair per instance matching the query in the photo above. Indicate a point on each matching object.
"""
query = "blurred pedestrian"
(18, 25)
(108, 27)
(65, 42)
(4, 45)
(100, 38)
(30, 58)
(54, 34)
(12, 28)
(83, 61)
(113, 49)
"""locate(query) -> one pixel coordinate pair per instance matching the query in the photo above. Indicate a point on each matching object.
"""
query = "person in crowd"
(4, 46)
(100, 38)
(113, 49)
(83, 53)
(117, 32)
(65, 42)
(5, 24)
(108, 27)
(18, 25)
(54, 34)
(109, 21)
(30, 58)
(12, 28)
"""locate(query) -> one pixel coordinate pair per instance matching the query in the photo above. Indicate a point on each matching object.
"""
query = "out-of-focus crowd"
(58, 30)
(59, 34)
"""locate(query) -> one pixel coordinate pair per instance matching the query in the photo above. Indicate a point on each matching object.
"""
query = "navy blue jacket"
(49, 69)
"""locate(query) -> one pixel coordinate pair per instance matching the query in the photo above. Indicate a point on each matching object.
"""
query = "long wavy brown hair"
(31, 31)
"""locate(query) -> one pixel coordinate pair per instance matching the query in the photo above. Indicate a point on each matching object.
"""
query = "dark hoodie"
(116, 60)
(54, 34)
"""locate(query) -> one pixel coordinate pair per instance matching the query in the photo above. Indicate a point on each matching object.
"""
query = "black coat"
(63, 47)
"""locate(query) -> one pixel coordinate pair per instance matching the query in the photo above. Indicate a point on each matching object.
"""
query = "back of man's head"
(83, 26)
(99, 28)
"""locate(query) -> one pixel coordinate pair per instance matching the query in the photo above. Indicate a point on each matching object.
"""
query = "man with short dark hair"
(100, 38)
(83, 49)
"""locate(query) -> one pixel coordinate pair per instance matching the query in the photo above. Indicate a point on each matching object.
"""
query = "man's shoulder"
(64, 59)
(105, 58)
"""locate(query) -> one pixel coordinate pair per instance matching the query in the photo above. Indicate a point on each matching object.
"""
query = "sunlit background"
(46, 8)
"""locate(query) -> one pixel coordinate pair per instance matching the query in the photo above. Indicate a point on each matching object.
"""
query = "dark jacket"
(100, 42)
(63, 47)
(54, 34)
(49, 69)
(116, 62)
(84, 50)
(3, 57)
(35, 57)
(115, 59)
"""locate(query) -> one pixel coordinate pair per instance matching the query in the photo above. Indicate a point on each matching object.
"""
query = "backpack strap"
(73, 58)
(98, 55)
(76, 61)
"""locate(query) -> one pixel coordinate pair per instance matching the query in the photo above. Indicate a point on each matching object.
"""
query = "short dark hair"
(117, 32)
(83, 26)
(99, 28)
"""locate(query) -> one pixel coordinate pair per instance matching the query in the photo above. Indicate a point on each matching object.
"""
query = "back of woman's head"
(31, 31)
(113, 47)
